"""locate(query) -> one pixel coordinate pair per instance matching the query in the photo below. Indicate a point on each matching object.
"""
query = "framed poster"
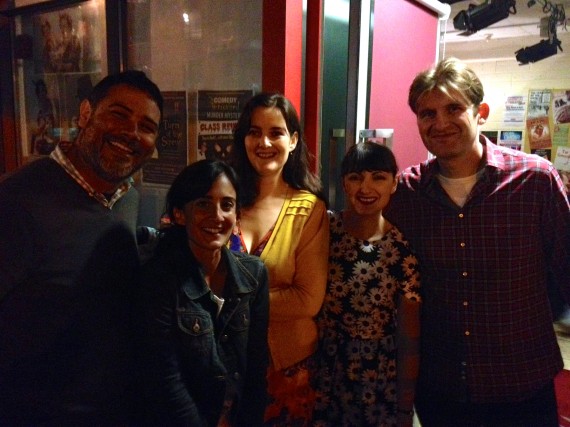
(171, 153)
(218, 113)
(60, 55)
(512, 139)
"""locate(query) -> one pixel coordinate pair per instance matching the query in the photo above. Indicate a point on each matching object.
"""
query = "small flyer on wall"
(539, 103)
(515, 107)
(511, 139)
(562, 163)
(218, 112)
(171, 154)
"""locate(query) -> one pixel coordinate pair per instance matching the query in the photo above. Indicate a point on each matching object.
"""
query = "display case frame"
(59, 55)
(97, 24)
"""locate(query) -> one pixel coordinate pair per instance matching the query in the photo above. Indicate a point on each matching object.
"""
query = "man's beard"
(108, 169)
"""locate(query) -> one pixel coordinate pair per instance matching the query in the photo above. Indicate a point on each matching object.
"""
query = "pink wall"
(396, 59)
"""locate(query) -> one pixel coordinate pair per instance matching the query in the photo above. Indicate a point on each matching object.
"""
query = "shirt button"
(462, 244)
(461, 215)
(464, 274)
(467, 333)
(224, 338)
(196, 327)
(465, 303)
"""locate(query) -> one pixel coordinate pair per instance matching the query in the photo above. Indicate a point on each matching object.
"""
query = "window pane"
(197, 44)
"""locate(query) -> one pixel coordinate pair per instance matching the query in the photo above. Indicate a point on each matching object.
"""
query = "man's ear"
(84, 113)
(483, 113)
(179, 217)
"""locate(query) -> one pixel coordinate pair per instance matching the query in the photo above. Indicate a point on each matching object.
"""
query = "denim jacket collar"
(195, 287)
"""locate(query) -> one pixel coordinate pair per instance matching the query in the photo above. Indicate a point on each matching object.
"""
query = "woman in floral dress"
(368, 355)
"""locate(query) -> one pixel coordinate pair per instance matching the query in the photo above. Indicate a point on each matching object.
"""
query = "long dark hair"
(194, 182)
(296, 171)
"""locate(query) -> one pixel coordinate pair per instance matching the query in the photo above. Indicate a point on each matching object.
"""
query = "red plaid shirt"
(487, 332)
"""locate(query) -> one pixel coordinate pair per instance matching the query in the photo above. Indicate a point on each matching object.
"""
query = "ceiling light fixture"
(537, 52)
(546, 47)
(475, 18)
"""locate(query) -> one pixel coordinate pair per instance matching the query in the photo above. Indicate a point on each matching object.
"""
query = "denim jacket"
(194, 358)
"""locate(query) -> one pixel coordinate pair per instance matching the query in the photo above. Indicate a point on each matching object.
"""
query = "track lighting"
(475, 18)
(547, 47)
(539, 51)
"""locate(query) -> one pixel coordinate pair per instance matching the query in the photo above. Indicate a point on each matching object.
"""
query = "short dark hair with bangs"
(369, 156)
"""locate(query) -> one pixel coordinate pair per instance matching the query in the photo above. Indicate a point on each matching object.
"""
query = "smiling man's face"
(119, 135)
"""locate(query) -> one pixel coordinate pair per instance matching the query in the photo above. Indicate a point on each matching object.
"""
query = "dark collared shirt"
(487, 332)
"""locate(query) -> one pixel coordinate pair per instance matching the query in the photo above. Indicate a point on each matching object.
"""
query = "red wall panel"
(405, 43)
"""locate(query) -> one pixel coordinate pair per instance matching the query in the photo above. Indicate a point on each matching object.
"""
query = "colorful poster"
(218, 112)
(539, 133)
(511, 139)
(561, 116)
(64, 55)
(560, 136)
(171, 154)
(561, 103)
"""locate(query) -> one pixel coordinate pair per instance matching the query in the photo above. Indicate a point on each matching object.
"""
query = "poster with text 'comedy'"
(218, 113)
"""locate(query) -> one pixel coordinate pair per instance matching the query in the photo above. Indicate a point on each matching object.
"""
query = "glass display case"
(58, 56)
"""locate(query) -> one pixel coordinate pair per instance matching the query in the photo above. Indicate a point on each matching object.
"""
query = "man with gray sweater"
(69, 265)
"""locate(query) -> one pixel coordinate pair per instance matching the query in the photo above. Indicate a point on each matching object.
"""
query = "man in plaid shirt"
(491, 227)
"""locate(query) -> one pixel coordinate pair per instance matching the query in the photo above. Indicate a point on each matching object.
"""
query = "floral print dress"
(356, 360)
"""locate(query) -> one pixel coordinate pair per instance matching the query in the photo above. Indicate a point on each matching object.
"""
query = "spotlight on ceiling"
(543, 49)
(475, 18)
(547, 47)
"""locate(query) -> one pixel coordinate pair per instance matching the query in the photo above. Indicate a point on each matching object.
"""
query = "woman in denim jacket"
(206, 310)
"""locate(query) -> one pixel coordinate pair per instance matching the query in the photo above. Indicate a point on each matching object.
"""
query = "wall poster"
(511, 139)
(218, 112)
(515, 106)
(63, 54)
(171, 153)
(492, 135)
(548, 123)
(537, 123)
(562, 163)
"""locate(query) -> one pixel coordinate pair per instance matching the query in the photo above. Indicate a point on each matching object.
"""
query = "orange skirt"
(291, 396)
